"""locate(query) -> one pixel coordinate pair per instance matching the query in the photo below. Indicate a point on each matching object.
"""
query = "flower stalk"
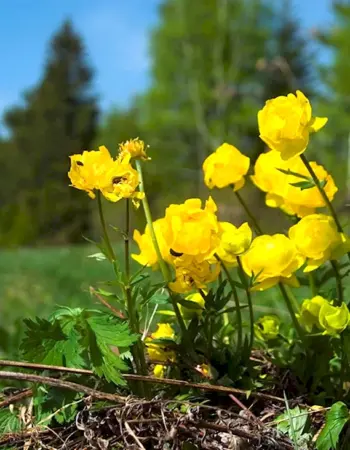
(250, 303)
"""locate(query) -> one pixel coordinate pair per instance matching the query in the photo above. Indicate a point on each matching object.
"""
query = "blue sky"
(115, 34)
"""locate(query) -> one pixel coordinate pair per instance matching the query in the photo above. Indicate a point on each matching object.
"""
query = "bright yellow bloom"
(334, 319)
(135, 148)
(191, 229)
(310, 311)
(267, 328)
(317, 239)
(97, 170)
(278, 185)
(87, 171)
(191, 273)
(148, 255)
(159, 352)
(121, 181)
(271, 259)
(285, 123)
(188, 313)
(226, 166)
(159, 371)
(233, 241)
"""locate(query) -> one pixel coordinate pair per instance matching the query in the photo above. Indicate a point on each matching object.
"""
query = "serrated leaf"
(9, 421)
(46, 343)
(303, 185)
(294, 419)
(336, 418)
(104, 333)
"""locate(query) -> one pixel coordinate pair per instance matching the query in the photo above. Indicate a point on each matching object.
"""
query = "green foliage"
(337, 417)
(295, 422)
(79, 338)
(9, 421)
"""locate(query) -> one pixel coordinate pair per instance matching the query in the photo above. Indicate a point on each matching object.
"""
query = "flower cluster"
(96, 170)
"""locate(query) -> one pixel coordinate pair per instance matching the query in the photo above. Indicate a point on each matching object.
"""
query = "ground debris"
(155, 424)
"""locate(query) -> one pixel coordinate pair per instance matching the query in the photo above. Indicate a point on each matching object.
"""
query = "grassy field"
(34, 281)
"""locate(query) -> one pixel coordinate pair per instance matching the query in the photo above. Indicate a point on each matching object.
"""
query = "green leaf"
(46, 343)
(188, 304)
(294, 419)
(336, 418)
(9, 421)
(303, 185)
(104, 333)
(295, 174)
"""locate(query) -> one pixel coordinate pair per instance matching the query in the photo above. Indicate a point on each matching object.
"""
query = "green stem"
(249, 299)
(322, 192)
(137, 349)
(110, 250)
(292, 313)
(162, 264)
(236, 300)
(249, 214)
(339, 283)
(313, 287)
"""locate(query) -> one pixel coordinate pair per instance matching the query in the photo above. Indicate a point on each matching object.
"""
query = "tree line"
(213, 65)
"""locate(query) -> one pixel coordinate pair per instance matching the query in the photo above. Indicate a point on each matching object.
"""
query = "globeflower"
(121, 181)
(267, 328)
(270, 260)
(159, 352)
(280, 192)
(226, 166)
(334, 319)
(87, 171)
(97, 170)
(310, 312)
(159, 371)
(191, 229)
(193, 273)
(316, 237)
(148, 256)
(135, 148)
(233, 241)
(285, 123)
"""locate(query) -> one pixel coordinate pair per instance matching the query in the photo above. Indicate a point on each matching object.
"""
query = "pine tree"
(59, 118)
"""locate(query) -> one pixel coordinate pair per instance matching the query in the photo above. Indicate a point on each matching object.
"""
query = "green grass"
(34, 281)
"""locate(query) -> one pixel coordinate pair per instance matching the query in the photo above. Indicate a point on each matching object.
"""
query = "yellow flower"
(267, 327)
(87, 171)
(121, 181)
(188, 313)
(310, 311)
(135, 148)
(271, 259)
(148, 255)
(159, 352)
(159, 371)
(233, 241)
(226, 166)
(192, 230)
(334, 319)
(278, 185)
(286, 122)
(191, 273)
(317, 239)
